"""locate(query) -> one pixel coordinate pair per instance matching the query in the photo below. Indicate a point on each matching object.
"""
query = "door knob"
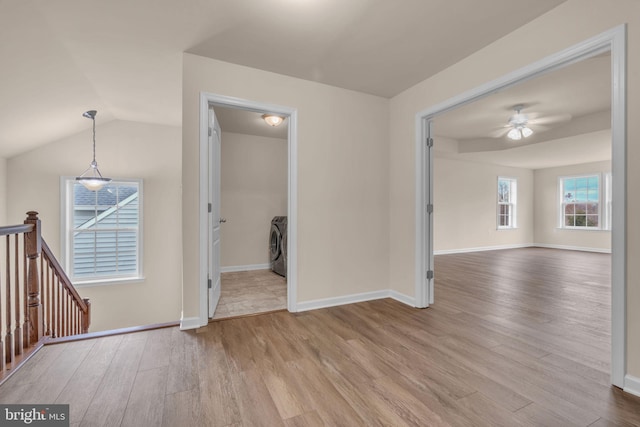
(223, 220)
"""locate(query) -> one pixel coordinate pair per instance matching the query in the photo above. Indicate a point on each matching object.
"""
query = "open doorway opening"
(211, 219)
(253, 210)
(613, 42)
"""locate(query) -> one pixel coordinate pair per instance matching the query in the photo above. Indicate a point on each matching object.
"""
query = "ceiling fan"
(522, 125)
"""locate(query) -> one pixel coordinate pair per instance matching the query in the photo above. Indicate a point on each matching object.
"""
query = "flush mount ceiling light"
(91, 178)
(272, 119)
(519, 122)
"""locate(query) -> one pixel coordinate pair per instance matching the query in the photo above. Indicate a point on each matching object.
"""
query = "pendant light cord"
(94, 140)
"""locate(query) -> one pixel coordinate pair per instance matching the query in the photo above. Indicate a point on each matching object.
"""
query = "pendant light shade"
(91, 178)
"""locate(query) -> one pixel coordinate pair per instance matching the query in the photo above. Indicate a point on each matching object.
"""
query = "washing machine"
(278, 245)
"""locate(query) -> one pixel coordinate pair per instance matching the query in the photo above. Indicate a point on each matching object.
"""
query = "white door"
(214, 220)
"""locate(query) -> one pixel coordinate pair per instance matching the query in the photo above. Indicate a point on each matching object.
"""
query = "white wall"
(560, 28)
(465, 206)
(124, 150)
(343, 178)
(3, 193)
(546, 208)
(253, 191)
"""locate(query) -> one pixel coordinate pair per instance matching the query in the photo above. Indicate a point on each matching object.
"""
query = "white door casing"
(213, 208)
(613, 41)
(208, 100)
(424, 222)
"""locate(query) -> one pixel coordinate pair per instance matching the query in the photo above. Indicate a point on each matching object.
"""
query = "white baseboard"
(190, 323)
(250, 267)
(572, 248)
(353, 298)
(483, 248)
(521, 245)
(632, 385)
(405, 299)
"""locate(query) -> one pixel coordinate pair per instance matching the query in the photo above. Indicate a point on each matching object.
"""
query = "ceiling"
(124, 58)
(234, 120)
(574, 101)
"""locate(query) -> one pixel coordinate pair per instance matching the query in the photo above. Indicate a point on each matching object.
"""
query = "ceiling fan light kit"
(518, 122)
(519, 132)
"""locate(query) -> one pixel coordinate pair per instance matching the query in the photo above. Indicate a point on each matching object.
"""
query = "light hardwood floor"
(251, 292)
(518, 337)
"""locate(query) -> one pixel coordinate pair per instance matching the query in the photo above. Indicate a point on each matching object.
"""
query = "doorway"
(210, 273)
(613, 41)
(253, 211)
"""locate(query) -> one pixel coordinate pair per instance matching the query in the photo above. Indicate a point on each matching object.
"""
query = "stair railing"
(37, 299)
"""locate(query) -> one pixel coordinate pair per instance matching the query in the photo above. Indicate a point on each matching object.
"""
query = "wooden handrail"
(15, 229)
(38, 301)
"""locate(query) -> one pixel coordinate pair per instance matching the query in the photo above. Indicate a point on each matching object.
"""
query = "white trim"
(613, 40)
(403, 298)
(572, 248)
(585, 229)
(203, 210)
(483, 248)
(561, 203)
(513, 203)
(519, 246)
(424, 287)
(632, 385)
(207, 99)
(617, 40)
(187, 323)
(250, 267)
(353, 298)
(67, 231)
(110, 281)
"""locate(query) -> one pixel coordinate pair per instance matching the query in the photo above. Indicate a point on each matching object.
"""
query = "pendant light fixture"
(91, 178)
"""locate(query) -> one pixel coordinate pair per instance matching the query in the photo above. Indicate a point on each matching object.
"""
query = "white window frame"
(602, 221)
(513, 203)
(67, 229)
(607, 200)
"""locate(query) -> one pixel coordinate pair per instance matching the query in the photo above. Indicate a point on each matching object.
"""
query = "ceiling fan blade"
(539, 128)
(551, 119)
(499, 133)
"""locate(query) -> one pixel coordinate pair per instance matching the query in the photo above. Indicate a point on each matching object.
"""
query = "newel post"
(86, 316)
(33, 247)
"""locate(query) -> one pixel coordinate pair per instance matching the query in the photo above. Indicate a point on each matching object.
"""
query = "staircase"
(37, 300)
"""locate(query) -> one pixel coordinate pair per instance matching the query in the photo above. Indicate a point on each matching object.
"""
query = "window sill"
(582, 229)
(107, 282)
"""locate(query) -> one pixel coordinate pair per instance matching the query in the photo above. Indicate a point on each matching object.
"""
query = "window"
(608, 202)
(507, 198)
(580, 202)
(102, 231)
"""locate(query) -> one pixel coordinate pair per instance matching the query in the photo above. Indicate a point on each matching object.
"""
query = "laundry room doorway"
(254, 215)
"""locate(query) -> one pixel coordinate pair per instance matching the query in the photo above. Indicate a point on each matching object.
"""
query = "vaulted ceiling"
(124, 58)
